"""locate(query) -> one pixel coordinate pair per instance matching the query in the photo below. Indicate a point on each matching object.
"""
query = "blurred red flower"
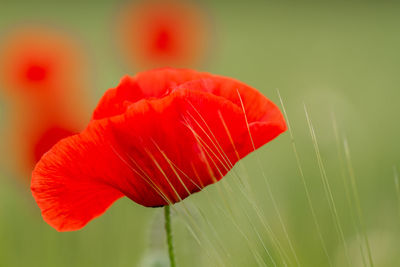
(42, 73)
(48, 139)
(39, 63)
(34, 132)
(160, 33)
(156, 138)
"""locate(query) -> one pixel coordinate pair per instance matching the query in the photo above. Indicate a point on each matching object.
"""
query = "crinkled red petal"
(160, 82)
(145, 85)
(158, 151)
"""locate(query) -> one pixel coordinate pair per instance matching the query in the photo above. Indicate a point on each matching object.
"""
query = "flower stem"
(168, 231)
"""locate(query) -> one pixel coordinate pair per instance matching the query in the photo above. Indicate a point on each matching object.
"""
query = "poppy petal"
(63, 185)
(160, 82)
(145, 85)
(159, 151)
(186, 141)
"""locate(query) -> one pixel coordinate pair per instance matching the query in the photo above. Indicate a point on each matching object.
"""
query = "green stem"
(168, 231)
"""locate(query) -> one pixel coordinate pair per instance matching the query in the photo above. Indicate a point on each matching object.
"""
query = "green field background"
(339, 59)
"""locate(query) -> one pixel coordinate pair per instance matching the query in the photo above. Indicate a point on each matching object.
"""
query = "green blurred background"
(339, 59)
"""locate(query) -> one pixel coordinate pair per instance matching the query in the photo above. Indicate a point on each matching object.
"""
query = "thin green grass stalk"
(255, 254)
(228, 208)
(269, 231)
(258, 234)
(253, 227)
(214, 232)
(244, 183)
(327, 188)
(189, 216)
(233, 220)
(252, 247)
(275, 205)
(139, 171)
(230, 165)
(397, 185)
(145, 176)
(209, 242)
(175, 170)
(191, 224)
(303, 180)
(268, 228)
(193, 233)
(346, 187)
(223, 196)
(357, 200)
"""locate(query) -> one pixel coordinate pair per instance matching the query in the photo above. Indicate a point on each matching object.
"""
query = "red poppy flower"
(156, 138)
(41, 70)
(163, 32)
(33, 131)
(35, 142)
(40, 64)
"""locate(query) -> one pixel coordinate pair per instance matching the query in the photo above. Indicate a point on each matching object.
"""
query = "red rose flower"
(156, 138)
(163, 32)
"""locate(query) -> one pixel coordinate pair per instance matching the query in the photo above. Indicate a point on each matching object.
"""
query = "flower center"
(36, 73)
